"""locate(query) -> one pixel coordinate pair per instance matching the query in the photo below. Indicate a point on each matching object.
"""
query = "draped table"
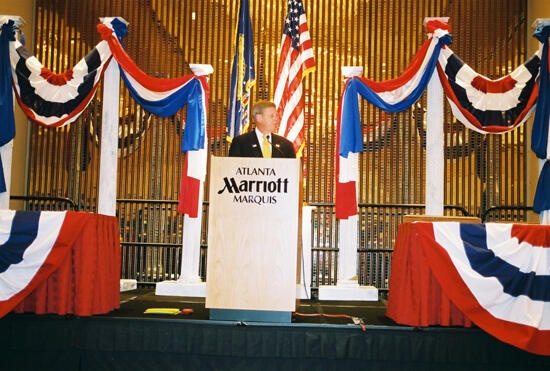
(456, 274)
(78, 274)
(415, 296)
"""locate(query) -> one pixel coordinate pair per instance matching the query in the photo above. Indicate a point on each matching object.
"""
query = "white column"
(189, 282)
(6, 151)
(347, 236)
(106, 203)
(191, 249)
(544, 217)
(191, 246)
(108, 161)
(347, 256)
(347, 286)
(435, 160)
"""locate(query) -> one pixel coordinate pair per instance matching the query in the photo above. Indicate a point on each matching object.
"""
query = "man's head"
(264, 114)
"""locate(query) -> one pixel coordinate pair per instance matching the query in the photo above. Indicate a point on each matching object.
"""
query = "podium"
(252, 239)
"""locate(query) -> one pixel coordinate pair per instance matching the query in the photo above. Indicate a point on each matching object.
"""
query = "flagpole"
(434, 142)
(6, 151)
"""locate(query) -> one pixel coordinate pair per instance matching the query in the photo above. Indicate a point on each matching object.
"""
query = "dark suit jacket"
(246, 145)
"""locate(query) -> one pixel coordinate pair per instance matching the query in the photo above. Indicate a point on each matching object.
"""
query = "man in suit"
(262, 142)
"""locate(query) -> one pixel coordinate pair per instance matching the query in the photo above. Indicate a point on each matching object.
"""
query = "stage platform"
(128, 339)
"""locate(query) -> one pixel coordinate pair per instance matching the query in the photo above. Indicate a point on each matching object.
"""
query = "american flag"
(295, 63)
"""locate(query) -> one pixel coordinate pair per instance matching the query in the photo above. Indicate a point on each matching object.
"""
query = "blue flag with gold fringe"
(242, 74)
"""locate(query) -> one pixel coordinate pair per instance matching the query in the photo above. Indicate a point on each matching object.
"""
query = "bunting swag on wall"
(393, 96)
(481, 104)
(55, 100)
(485, 105)
(51, 99)
(497, 275)
(165, 97)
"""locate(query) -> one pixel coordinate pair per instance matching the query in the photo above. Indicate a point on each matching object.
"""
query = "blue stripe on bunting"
(491, 117)
(539, 133)
(351, 139)
(7, 124)
(483, 261)
(44, 107)
(542, 194)
(23, 232)
(190, 94)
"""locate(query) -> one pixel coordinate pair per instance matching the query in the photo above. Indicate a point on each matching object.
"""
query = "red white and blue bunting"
(34, 244)
(481, 104)
(55, 100)
(165, 97)
(497, 275)
(51, 99)
(485, 105)
(393, 96)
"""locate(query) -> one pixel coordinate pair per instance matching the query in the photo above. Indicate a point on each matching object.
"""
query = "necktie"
(266, 147)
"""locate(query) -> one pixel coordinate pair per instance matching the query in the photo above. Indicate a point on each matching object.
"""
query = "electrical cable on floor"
(356, 320)
(304, 275)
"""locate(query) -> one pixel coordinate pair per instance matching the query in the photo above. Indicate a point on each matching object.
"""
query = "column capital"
(18, 20)
(352, 71)
(541, 22)
(201, 69)
(441, 19)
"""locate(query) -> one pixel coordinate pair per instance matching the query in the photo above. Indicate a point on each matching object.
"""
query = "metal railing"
(377, 229)
(46, 203)
(151, 237)
(507, 209)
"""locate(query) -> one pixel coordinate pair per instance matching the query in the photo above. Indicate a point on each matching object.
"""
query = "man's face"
(267, 120)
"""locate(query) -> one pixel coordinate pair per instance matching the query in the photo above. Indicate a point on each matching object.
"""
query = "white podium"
(252, 239)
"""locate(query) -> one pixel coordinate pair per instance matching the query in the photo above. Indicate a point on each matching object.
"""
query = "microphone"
(274, 146)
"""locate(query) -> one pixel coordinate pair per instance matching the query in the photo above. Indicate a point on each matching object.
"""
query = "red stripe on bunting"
(347, 200)
(128, 65)
(436, 24)
(408, 73)
(189, 194)
(536, 235)
(346, 197)
(521, 336)
(57, 79)
(76, 112)
(494, 86)
(449, 92)
(69, 232)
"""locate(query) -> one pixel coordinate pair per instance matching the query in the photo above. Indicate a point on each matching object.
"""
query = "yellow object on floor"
(172, 311)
